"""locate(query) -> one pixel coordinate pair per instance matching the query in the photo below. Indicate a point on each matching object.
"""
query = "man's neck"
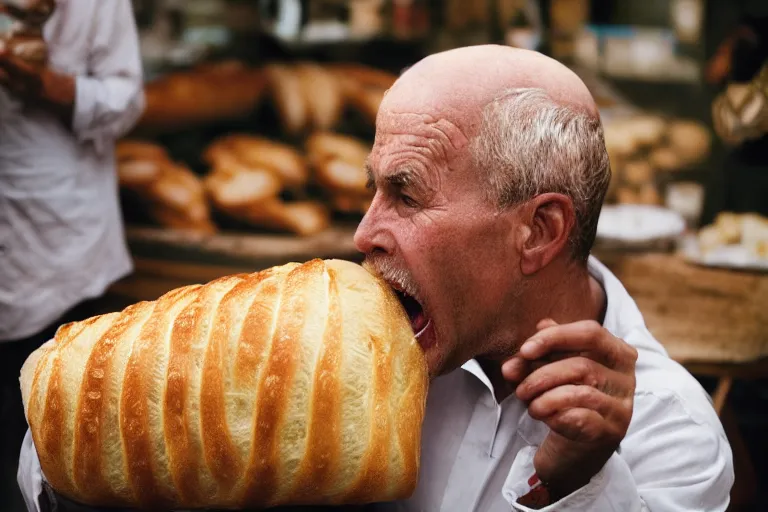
(577, 297)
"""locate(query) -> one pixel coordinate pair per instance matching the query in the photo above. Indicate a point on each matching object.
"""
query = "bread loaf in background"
(301, 384)
(212, 92)
(174, 195)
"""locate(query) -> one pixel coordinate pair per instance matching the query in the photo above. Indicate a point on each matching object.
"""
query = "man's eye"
(408, 201)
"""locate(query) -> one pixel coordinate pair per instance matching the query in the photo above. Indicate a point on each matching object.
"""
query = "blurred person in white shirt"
(62, 241)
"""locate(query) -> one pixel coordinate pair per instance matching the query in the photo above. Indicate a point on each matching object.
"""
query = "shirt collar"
(473, 367)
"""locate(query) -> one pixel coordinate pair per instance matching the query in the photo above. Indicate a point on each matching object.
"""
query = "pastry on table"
(175, 195)
(647, 130)
(338, 163)
(248, 175)
(303, 218)
(620, 142)
(754, 234)
(748, 230)
(637, 173)
(690, 140)
(302, 384)
(251, 151)
(665, 159)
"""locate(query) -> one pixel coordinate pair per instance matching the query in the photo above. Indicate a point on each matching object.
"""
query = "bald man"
(548, 391)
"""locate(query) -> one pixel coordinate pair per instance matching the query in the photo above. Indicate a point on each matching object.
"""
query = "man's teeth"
(423, 330)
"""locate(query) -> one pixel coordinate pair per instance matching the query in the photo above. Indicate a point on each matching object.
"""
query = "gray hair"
(529, 145)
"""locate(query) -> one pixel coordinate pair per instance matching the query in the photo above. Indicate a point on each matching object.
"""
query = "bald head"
(457, 84)
(520, 121)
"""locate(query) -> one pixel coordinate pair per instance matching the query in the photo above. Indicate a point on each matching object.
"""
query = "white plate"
(729, 256)
(639, 223)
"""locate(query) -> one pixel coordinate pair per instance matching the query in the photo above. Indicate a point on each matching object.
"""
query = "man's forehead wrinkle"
(426, 125)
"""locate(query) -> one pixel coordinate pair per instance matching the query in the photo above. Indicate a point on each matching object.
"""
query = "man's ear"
(547, 221)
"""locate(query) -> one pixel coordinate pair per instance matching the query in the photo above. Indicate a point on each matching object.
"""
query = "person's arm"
(579, 380)
(110, 100)
(103, 105)
(29, 475)
(669, 461)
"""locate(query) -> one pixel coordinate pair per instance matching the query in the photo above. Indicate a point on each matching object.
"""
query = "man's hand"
(37, 86)
(579, 380)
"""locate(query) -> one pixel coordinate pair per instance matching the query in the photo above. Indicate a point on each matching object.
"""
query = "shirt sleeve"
(110, 99)
(29, 475)
(669, 461)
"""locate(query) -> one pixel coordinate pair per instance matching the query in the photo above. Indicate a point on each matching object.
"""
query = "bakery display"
(338, 163)
(748, 230)
(254, 180)
(239, 150)
(310, 96)
(174, 195)
(248, 174)
(301, 384)
(733, 240)
(211, 92)
(642, 147)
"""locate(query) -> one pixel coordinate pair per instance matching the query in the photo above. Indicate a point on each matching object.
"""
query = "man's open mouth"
(419, 319)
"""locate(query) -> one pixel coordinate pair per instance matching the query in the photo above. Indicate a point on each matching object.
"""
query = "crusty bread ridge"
(300, 384)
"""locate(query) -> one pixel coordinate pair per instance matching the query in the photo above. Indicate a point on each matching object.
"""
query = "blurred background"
(260, 114)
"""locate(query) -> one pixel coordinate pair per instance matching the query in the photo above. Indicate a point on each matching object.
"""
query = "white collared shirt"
(477, 454)
(61, 232)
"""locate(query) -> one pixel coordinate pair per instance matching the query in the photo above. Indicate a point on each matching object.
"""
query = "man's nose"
(368, 237)
(364, 234)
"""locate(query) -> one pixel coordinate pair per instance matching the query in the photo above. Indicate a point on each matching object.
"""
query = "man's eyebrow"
(400, 178)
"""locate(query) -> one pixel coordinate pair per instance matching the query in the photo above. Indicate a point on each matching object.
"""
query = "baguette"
(176, 195)
(210, 93)
(253, 152)
(338, 162)
(301, 384)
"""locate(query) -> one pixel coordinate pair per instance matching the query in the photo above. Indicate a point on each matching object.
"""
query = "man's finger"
(572, 396)
(516, 366)
(587, 337)
(578, 424)
(515, 369)
(578, 371)
(546, 323)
